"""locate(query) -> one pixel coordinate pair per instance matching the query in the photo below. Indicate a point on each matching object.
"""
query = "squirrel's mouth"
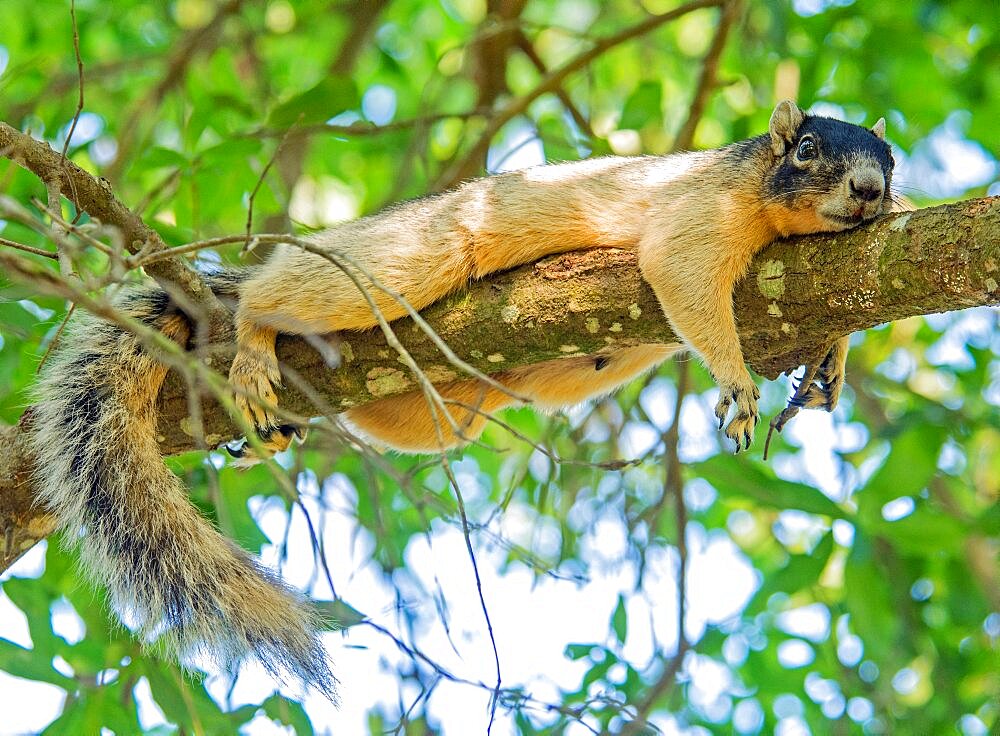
(855, 218)
(849, 220)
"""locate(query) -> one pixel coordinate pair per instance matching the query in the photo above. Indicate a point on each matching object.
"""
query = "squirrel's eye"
(807, 149)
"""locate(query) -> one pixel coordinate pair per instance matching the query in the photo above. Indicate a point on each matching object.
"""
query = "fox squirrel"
(696, 220)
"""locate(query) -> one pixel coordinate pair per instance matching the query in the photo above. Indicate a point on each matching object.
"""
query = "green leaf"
(184, 700)
(319, 103)
(799, 572)
(989, 521)
(619, 620)
(578, 651)
(288, 713)
(925, 532)
(101, 708)
(35, 603)
(911, 463)
(21, 662)
(159, 157)
(339, 614)
(869, 598)
(733, 477)
(643, 106)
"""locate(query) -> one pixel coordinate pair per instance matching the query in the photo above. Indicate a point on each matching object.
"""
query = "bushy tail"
(171, 574)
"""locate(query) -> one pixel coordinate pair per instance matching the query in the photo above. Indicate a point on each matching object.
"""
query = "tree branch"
(798, 296)
(468, 165)
(708, 79)
(96, 197)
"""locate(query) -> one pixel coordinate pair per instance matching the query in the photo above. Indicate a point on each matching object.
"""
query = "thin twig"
(708, 80)
(673, 487)
(317, 548)
(339, 259)
(97, 198)
(605, 465)
(54, 208)
(71, 227)
(29, 249)
(55, 338)
(795, 403)
(260, 181)
(528, 48)
(165, 350)
(466, 534)
(470, 163)
(363, 127)
(79, 102)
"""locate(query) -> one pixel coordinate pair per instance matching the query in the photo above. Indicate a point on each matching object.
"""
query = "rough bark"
(798, 295)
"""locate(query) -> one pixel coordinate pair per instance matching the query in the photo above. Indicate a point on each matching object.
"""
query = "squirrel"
(696, 220)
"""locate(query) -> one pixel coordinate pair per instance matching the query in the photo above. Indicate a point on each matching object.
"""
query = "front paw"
(740, 428)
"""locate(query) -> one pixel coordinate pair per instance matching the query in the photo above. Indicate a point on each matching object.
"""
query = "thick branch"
(798, 296)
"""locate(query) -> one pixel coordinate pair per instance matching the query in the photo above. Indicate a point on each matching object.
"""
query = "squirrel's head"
(826, 175)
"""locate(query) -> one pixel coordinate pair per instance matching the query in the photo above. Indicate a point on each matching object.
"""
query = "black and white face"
(840, 171)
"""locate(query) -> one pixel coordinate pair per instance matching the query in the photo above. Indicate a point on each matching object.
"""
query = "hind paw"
(253, 379)
(272, 439)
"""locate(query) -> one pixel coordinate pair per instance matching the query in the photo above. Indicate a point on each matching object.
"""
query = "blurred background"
(849, 585)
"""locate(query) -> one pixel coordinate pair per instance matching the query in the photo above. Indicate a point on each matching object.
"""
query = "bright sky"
(533, 619)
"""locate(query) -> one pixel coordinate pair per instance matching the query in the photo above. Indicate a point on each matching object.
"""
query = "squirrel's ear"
(879, 129)
(785, 121)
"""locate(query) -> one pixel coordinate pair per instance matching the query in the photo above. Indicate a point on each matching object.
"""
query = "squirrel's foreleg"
(695, 289)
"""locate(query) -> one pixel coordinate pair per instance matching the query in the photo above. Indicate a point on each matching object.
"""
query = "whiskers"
(900, 202)
(904, 188)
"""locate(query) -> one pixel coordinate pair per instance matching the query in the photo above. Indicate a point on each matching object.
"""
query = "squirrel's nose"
(866, 189)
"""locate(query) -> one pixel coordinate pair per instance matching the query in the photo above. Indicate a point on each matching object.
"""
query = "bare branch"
(524, 43)
(79, 101)
(469, 164)
(673, 490)
(29, 249)
(708, 79)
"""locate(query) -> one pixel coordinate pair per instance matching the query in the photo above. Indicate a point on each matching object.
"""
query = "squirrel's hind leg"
(406, 423)
(253, 375)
